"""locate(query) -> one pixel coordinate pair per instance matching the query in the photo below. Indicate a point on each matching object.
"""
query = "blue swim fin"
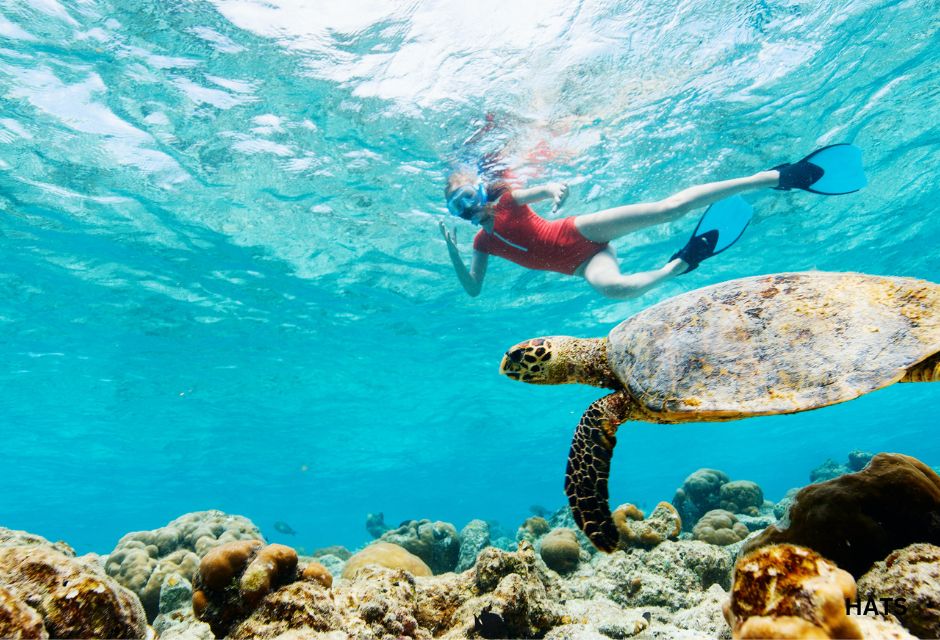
(719, 228)
(830, 171)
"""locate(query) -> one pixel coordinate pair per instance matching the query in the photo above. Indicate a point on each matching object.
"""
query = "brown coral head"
(560, 550)
(220, 566)
(273, 566)
(200, 602)
(785, 581)
(316, 572)
(233, 579)
(537, 526)
(719, 527)
(388, 555)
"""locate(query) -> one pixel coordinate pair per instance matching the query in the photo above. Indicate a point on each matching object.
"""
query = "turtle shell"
(774, 344)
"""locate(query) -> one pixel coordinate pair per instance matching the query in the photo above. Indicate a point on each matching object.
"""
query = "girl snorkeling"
(579, 245)
(576, 245)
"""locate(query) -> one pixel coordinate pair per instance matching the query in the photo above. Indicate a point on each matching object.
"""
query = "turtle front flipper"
(926, 371)
(589, 467)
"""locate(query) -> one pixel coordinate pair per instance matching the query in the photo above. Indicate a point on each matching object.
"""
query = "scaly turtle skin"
(756, 346)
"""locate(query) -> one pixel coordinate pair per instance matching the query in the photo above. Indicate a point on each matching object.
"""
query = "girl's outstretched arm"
(557, 191)
(472, 279)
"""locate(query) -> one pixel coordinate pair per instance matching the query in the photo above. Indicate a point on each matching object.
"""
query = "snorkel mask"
(467, 200)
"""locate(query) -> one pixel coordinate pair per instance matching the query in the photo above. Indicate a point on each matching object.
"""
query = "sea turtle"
(757, 346)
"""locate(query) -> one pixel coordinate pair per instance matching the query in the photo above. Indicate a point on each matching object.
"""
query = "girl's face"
(467, 201)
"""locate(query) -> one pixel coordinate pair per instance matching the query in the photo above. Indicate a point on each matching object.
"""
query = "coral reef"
(505, 594)
(245, 589)
(911, 573)
(560, 550)
(142, 559)
(73, 597)
(785, 591)
(436, 543)
(720, 527)
(637, 531)
(388, 555)
(474, 537)
(741, 496)
(700, 492)
(654, 587)
(859, 518)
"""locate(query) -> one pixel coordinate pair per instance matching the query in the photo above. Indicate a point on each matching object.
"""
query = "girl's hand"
(449, 237)
(559, 193)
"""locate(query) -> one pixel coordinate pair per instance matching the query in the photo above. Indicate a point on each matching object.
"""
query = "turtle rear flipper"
(589, 468)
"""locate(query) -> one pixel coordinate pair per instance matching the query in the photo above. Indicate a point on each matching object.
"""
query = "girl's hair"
(495, 190)
(460, 177)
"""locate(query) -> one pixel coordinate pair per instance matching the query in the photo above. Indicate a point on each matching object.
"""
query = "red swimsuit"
(522, 236)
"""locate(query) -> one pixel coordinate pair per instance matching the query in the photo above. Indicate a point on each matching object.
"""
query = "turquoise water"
(223, 285)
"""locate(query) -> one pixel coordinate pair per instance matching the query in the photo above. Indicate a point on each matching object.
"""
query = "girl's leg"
(602, 271)
(610, 224)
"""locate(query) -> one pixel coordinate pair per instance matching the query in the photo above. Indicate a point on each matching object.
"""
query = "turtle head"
(560, 360)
